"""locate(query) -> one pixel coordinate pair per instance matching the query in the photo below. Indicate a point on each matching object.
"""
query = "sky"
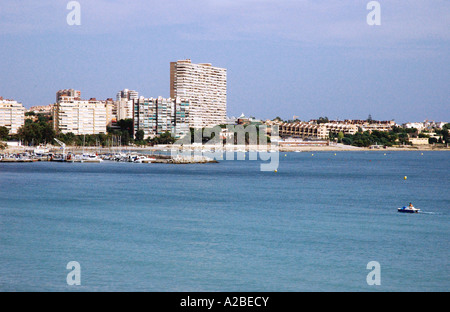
(286, 58)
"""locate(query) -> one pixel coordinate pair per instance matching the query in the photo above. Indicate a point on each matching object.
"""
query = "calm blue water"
(313, 226)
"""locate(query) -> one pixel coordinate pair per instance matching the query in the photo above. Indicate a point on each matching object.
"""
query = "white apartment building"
(315, 131)
(71, 114)
(127, 94)
(124, 104)
(124, 109)
(111, 112)
(68, 92)
(206, 88)
(418, 125)
(12, 115)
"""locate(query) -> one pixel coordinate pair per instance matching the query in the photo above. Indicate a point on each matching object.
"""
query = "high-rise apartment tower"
(206, 88)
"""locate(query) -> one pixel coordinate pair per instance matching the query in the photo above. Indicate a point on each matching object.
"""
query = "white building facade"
(12, 115)
(71, 114)
(206, 88)
(124, 104)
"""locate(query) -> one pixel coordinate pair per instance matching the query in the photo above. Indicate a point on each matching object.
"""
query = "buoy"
(285, 155)
(384, 154)
(312, 154)
(275, 171)
(421, 154)
(334, 154)
(406, 178)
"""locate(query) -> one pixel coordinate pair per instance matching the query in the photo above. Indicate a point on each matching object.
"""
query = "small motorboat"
(409, 209)
(143, 160)
(91, 158)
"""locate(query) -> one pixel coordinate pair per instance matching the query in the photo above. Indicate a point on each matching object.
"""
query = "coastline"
(236, 148)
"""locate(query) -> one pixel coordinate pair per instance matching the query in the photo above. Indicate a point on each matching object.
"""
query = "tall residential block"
(71, 114)
(124, 104)
(12, 115)
(111, 113)
(206, 88)
(68, 92)
(155, 116)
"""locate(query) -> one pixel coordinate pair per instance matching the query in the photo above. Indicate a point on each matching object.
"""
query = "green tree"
(47, 133)
(366, 139)
(348, 140)
(165, 138)
(340, 136)
(140, 135)
(4, 132)
(34, 133)
(126, 125)
(126, 138)
(403, 138)
(445, 133)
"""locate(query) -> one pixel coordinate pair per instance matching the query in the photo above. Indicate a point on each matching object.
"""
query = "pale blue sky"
(298, 57)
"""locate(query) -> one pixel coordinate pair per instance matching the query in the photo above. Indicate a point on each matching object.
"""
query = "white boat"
(409, 209)
(143, 160)
(40, 150)
(91, 159)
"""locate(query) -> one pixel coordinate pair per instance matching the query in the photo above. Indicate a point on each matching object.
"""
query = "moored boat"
(143, 160)
(91, 158)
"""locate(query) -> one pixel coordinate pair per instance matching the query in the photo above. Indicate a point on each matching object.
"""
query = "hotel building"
(158, 115)
(72, 114)
(206, 88)
(12, 115)
(314, 131)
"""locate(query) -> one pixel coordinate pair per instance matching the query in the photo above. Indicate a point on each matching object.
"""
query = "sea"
(316, 224)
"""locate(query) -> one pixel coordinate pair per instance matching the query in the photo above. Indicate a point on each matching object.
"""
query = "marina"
(133, 157)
